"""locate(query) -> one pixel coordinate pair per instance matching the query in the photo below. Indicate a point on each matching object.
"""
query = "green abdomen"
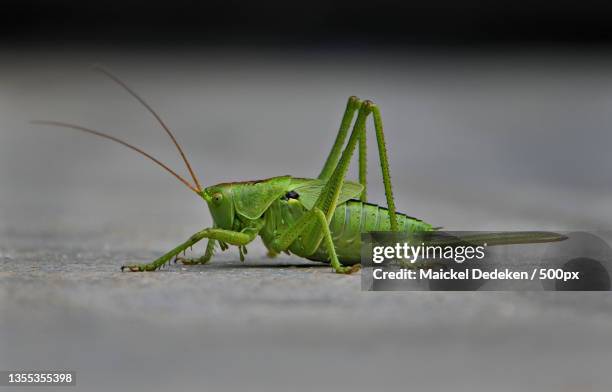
(349, 221)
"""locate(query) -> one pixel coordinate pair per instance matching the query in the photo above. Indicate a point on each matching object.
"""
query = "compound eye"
(217, 197)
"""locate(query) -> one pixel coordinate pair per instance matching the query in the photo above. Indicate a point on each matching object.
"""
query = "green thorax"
(279, 202)
(233, 204)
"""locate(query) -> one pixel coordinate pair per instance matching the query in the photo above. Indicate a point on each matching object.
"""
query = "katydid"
(319, 218)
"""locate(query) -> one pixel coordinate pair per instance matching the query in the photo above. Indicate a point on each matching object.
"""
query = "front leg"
(208, 254)
(227, 236)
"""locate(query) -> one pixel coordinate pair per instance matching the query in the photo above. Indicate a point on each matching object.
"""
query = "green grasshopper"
(319, 218)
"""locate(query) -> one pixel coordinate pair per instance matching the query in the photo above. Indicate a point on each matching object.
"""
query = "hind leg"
(313, 227)
(359, 132)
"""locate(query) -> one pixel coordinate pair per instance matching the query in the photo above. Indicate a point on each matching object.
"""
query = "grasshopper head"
(220, 204)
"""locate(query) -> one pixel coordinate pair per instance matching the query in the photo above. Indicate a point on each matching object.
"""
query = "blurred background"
(496, 117)
(315, 24)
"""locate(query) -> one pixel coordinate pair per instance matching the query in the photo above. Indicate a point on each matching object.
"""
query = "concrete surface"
(475, 143)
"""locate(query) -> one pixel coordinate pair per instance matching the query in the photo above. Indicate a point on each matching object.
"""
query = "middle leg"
(314, 218)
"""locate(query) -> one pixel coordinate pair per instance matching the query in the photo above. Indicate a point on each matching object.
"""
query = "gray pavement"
(475, 143)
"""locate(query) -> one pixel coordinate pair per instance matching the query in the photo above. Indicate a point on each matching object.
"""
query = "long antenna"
(106, 136)
(157, 117)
